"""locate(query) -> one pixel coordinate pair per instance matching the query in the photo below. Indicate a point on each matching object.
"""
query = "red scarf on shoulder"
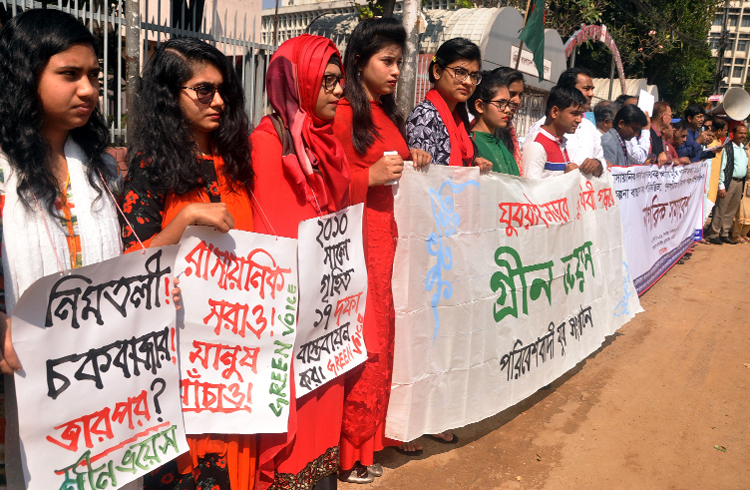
(462, 151)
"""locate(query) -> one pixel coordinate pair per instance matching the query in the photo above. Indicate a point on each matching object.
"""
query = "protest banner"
(332, 303)
(662, 213)
(240, 296)
(98, 396)
(501, 285)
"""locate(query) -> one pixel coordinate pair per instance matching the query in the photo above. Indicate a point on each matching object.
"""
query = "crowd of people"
(335, 138)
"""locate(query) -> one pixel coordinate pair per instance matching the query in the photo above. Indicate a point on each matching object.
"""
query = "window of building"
(742, 45)
(719, 20)
(733, 20)
(737, 72)
(745, 21)
(713, 41)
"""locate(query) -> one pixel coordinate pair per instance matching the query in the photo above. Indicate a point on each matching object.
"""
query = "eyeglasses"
(501, 104)
(205, 93)
(330, 82)
(460, 74)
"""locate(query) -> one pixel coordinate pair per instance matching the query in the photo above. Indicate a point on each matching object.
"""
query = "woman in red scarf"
(302, 174)
(439, 124)
(369, 125)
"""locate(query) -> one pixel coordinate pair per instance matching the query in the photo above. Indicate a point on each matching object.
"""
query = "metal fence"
(106, 20)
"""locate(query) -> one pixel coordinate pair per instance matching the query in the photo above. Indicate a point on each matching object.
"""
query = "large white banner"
(240, 300)
(98, 397)
(501, 285)
(662, 214)
(332, 305)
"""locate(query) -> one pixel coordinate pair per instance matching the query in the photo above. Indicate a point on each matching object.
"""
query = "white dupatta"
(30, 252)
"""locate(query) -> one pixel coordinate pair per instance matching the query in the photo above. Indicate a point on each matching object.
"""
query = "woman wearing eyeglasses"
(302, 173)
(516, 84)
(491, 106)
(439, 124)
(190, 165)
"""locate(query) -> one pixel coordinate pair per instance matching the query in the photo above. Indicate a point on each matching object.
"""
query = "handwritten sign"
(98, 398)
(240, 294)
(500, 286)
(332, 260)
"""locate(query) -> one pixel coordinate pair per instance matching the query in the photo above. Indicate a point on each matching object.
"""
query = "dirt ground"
(646, 411)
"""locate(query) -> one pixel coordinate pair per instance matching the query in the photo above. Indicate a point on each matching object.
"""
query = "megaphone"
(736, 105)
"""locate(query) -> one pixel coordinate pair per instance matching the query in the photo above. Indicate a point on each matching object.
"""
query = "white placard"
(240, 295)
(646, 102)
(98, 397)
(332, 303)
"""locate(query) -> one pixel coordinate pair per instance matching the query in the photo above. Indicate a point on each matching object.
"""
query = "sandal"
(358, 474)
(435, 438)
(415, 453)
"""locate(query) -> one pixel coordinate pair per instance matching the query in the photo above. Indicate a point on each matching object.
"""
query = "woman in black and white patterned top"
(439, 124)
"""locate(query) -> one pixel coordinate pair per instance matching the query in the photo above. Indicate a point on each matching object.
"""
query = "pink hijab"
(316, 161)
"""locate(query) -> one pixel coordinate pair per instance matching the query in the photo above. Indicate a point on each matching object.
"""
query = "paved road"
(643, 412)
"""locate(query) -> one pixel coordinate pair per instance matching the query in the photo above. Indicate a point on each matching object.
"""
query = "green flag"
(533, 35)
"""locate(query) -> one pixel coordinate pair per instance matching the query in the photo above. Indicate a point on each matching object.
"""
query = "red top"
(315, 419)
(368, 389)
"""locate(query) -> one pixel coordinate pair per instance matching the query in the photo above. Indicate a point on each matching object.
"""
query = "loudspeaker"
(736, 105)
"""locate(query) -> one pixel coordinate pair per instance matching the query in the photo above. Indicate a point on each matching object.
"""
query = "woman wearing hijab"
(302, 174)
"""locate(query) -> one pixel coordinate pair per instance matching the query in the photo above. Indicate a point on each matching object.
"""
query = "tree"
(664, 41)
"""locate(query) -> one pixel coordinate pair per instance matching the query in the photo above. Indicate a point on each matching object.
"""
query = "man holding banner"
(547, 154)
(731, 182)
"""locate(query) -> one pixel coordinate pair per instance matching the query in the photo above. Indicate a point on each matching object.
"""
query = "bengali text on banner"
(240, 303)
(662, 214)
(98, 396)
(332, 306)
(501, 285)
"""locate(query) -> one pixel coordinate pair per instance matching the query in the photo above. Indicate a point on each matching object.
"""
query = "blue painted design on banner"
(447, 221)
(555, 167)
(665, 262)
(698, 235)
(623, 307)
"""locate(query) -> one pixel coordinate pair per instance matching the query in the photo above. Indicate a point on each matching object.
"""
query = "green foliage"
(663, 41)
(464, 4)
(369, 10)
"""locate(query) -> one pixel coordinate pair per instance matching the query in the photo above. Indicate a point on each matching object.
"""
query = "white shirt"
(639, 148)
(585, 143)
(535, 157)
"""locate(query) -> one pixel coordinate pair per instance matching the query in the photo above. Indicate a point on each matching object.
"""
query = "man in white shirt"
(584, 146)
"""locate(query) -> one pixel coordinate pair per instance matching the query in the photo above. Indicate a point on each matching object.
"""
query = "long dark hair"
(455, 49)
(160, 135)
(369, 37)
(27, 43)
